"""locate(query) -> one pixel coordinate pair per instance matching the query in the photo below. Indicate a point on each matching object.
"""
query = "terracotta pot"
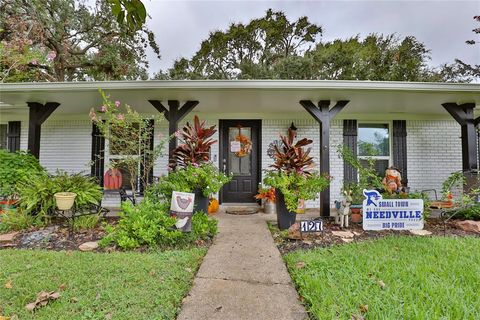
(285, 218)
(356, 214)
(64, 200)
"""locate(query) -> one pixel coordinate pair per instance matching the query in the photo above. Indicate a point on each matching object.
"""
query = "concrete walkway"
(242, 276)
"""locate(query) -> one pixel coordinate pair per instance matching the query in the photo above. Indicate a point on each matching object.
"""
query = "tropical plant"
(295, 186)
(17, 168)
(205, 177)
(128, 134)
(367, 174)
(195, 146)
(36, 197)
(292, 172)
(266, 193)
(291, 157)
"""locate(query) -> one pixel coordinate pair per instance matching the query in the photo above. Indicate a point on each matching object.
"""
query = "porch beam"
(38, 114)
(323, 114)
(174, 114)
(463, 114)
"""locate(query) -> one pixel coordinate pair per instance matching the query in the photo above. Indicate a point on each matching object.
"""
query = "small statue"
(393, 180)
(343, 210)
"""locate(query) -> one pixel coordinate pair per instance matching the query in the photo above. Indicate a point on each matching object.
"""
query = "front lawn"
(120, 285)
(391, 278)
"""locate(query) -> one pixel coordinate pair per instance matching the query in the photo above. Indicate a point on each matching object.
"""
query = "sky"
(443, 26)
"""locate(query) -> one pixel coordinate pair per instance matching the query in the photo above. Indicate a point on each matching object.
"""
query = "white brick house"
(419, 134)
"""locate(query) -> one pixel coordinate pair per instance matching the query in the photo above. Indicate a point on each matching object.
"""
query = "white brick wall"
(65, 145)
(434, 150)
(308, 128)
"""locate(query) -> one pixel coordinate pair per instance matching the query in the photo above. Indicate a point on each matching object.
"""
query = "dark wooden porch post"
(463, 114)
(173, 115)
(38, 113)
(323, 114)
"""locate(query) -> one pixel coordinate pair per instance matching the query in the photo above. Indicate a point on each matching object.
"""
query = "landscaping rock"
(29, 239)
(420, 232)
(88, 246)
(343, 234)
(7, 238)
(294, 231)
(469, 226)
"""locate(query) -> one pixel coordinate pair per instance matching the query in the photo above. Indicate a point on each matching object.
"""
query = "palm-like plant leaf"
(291, 157)
(195, 146)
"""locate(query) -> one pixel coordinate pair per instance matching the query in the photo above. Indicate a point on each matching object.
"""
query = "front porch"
(431, 126)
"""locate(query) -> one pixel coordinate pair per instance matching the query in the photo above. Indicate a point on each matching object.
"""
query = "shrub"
(37, 196)
(469, 213)
(16, 168)
(149, 224)
(86, 222)
(205, 177)
(17, 219)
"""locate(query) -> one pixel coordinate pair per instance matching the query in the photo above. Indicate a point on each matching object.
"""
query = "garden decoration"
(112, 179)
(245, 144)
(213, 206)
(392, 180)
(293, 178)
(343, 210)
(181, 207)
(129, 135)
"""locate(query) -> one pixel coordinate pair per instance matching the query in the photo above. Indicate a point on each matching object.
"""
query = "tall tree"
(272, 47)
(470, 71)
(75, 41)
(248, 51)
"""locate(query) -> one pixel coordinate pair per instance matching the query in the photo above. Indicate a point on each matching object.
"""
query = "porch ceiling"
(246, 97)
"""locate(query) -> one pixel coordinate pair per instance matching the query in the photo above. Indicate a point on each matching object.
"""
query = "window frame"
(389, 124)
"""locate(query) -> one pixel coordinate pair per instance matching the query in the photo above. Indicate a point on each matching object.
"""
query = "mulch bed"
(327, 238)
(57, 237)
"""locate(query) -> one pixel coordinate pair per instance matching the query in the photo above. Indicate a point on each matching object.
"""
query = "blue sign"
(396, 214)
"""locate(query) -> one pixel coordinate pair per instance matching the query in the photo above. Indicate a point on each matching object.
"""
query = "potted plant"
(293, 178)
(267, 195)
(190, 166)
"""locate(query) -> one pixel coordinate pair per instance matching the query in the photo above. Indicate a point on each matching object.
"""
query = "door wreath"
(245, 144)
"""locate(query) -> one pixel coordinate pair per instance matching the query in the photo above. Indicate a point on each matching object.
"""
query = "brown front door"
(240, 157)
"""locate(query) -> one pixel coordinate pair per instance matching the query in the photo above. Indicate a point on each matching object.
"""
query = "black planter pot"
(285, 218)
(201, 202)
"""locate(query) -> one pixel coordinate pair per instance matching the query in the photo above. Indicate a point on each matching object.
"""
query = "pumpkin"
(213, 206)
(112, 180)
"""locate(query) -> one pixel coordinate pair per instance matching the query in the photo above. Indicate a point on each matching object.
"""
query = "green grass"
(117, 285)
(425, 278)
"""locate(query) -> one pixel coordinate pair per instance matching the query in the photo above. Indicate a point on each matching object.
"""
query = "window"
(3, 136)
(374, 141)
